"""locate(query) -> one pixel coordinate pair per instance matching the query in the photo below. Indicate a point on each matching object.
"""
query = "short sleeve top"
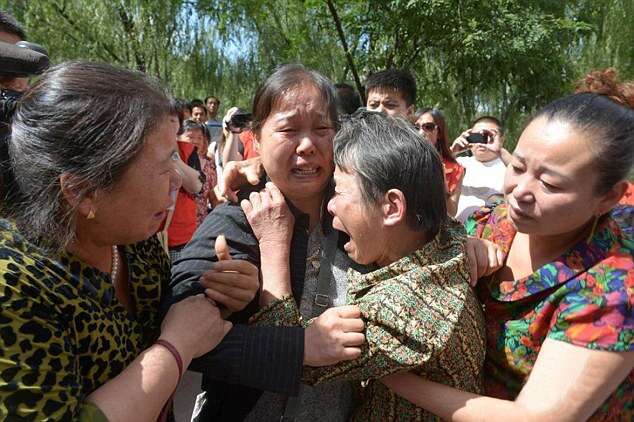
(584, 297)
(453, 174)
(62, 331)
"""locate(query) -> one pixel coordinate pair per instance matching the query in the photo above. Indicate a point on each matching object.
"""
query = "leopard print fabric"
(62, 331)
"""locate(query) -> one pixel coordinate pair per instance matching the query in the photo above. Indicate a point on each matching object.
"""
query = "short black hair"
(387, 153)
(491, 119)
(191, 125)
(197, 102)
(10, 25)
(348, 100)
(207, 98)
(180, 105)
(400, 80)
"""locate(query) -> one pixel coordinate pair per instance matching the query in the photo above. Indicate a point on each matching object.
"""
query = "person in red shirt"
(182, 225)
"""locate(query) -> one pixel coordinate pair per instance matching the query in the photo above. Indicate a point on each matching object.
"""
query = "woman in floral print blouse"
(560, 327)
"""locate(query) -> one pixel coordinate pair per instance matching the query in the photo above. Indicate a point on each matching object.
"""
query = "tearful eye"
(548, 186)
(516, 169)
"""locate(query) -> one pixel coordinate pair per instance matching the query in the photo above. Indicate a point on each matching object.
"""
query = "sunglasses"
(427, 127)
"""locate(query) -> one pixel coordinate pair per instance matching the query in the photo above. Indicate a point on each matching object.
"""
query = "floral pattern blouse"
(584, 297)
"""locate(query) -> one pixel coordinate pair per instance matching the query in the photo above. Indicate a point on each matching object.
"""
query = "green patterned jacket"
(420, 314)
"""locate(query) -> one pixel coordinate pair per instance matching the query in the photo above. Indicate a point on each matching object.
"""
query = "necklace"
(114, 272)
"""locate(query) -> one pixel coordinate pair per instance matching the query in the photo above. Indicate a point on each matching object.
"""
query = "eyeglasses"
(427, 127)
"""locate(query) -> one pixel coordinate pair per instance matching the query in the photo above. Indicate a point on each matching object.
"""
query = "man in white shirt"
(484, 171)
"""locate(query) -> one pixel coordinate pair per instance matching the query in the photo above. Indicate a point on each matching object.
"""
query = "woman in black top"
(295, 119)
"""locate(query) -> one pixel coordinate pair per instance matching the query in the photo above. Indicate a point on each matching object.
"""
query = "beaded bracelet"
(177, 356)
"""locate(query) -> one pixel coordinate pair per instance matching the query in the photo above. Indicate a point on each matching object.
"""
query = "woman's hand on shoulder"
(484, 258)
(270, 218)
(194, 326)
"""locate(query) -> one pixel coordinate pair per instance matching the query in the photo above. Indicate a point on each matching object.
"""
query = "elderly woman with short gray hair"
(90, 174)
(419, 310)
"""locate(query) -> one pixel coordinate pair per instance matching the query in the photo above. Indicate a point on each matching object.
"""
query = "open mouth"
(336, 224)
(305, 171)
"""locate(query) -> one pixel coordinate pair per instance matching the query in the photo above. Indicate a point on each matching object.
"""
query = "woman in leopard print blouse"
(81, 274)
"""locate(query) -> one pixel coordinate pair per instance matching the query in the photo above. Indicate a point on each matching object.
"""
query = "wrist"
(275, 252)
(275, 283)
(184, 353)
(171, 350)
(308, 359)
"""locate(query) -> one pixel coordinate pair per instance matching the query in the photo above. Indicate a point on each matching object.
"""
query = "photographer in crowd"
(18, 60)
(11, 33)
(484, 170)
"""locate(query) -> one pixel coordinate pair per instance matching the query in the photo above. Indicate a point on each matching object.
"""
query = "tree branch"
(128, 27)
(349, 59)
(85, 34)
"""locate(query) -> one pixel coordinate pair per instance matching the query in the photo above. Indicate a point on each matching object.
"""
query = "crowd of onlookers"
(474, 163)
(312, 258)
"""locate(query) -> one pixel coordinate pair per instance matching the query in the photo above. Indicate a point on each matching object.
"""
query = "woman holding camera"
(559, 311)
(82, 272)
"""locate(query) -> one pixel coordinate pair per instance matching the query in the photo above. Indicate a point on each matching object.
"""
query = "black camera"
(18, 60)
(239, 121)
(479, 138)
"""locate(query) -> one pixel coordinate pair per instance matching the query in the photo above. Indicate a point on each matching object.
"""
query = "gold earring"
(91, 214)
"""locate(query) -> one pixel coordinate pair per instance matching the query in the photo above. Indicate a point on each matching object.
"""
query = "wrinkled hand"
(234, 283)
(270, 218)
(334, 336)
(484, 257)
(194, 326)
(239, 173)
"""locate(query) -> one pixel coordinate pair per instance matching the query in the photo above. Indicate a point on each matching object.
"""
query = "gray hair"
(387, 153)
(89, 120)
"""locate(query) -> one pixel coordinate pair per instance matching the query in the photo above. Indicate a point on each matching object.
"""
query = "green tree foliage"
(500, 57)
